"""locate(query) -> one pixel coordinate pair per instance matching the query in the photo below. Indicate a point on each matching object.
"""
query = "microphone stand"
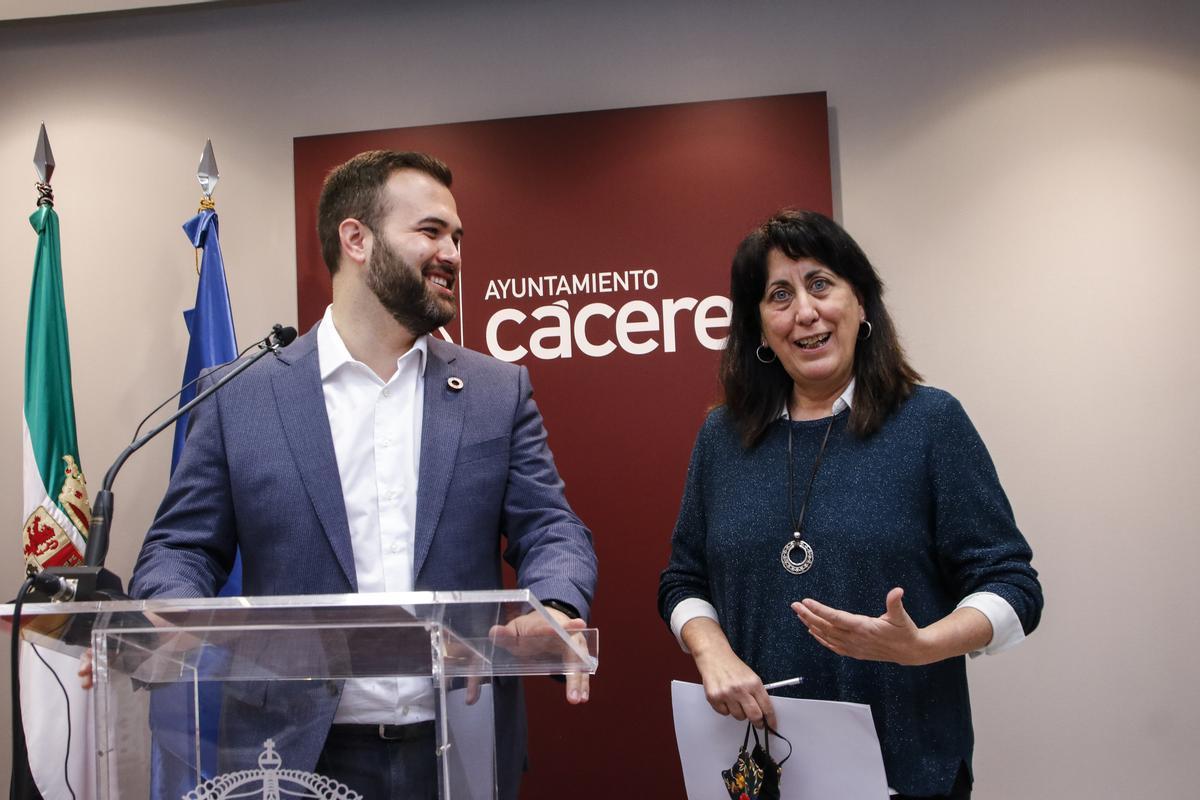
(92, 581)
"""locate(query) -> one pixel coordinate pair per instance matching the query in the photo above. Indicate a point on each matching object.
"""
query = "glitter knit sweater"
(917, 504)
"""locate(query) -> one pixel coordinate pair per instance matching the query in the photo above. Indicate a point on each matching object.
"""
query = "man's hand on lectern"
(530, 633)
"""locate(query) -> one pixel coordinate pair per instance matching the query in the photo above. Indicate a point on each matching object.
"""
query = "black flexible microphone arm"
(102, 507)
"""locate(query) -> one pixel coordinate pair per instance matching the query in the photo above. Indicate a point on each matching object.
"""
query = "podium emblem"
(269, 782)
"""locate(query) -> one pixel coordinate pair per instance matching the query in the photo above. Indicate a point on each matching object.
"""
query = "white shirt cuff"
(688, 610)
(1006, 625)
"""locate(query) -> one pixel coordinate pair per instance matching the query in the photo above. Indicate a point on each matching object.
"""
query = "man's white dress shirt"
(376, 427)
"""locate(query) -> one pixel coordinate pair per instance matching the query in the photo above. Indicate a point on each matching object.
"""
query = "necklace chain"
(797, 540)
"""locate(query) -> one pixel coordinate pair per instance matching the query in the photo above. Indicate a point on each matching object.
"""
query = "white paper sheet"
(835, 752)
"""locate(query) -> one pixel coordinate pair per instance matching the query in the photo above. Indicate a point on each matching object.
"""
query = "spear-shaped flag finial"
(207, 173)
(43, 161)
(43, 156)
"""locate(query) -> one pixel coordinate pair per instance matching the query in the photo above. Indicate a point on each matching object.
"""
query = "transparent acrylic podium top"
(202, 698)
(309, 636)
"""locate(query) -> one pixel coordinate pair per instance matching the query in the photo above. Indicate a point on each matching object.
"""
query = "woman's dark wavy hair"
(756, 392)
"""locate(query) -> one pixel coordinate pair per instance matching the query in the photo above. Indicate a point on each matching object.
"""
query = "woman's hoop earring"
(758, 354)
(870, 329)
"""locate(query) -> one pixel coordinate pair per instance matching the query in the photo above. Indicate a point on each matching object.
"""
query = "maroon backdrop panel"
(596, 253)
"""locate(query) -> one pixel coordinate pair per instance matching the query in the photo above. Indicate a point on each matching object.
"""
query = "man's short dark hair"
(354, 190)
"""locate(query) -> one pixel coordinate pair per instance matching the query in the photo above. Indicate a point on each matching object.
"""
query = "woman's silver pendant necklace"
(786, 557)
(789, 563)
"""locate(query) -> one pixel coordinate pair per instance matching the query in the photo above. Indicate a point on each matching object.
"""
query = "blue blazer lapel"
(441, 431)
(301, 404)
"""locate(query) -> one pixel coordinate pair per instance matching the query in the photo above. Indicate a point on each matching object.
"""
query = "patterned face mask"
(755, 775)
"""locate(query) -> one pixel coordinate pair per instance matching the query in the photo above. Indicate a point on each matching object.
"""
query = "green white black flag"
(60, 761)
(56, 503)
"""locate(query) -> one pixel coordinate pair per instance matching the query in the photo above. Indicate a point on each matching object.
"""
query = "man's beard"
(402, 290)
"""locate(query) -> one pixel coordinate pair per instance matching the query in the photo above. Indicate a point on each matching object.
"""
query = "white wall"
(1026, 176)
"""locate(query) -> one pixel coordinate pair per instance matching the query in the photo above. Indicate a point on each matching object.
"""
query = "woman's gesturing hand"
(893, 636)
(732, 688)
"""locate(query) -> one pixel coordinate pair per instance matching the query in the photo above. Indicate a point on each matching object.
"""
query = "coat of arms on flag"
(46, 543)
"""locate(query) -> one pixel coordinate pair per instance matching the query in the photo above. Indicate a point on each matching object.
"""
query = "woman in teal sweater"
(828, 488)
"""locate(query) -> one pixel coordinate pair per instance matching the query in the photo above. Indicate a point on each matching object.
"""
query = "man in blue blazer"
(370, 456)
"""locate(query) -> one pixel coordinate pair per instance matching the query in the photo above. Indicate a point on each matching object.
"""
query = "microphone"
(283, 336)
(93, 581)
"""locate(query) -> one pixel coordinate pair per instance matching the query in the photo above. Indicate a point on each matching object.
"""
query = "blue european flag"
(213, 342)
(210, 322)
(210, 325)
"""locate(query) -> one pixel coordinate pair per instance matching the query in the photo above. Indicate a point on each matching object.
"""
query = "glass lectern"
(232, 697)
